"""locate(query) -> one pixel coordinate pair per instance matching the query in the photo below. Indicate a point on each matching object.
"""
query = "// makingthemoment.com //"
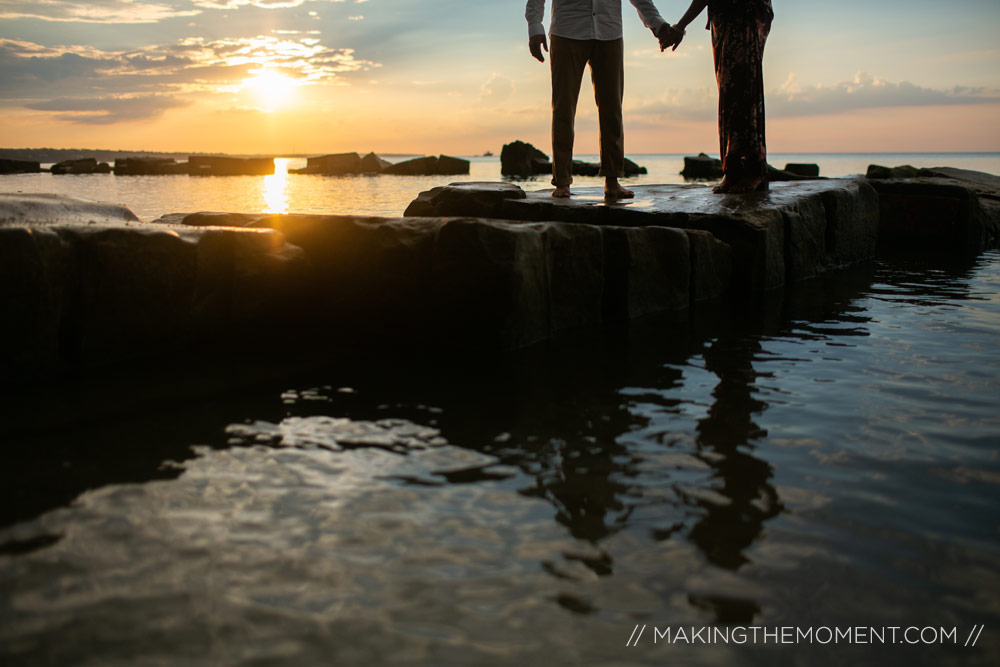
(926, 635)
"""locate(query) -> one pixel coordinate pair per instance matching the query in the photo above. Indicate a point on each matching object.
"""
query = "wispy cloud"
(108, 110)
(95, 11)
(496, 89)
(135, 84)
(866, 91)
(863, 92)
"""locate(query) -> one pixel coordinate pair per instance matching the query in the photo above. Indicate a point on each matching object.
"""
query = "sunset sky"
(454, 76)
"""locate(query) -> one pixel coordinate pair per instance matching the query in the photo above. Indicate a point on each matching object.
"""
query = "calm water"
(152, 196)
(827, 457)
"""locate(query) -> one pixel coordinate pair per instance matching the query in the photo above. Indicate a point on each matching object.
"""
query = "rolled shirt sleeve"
(534, 12)
(648, 14)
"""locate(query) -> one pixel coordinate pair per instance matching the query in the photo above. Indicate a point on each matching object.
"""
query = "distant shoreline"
(53, 155)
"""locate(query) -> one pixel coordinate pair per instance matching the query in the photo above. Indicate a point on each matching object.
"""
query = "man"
(587, 31)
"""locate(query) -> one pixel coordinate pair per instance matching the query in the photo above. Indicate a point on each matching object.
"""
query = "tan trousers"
(568, 59)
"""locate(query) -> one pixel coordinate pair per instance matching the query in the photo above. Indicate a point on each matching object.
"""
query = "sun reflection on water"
(276, 187)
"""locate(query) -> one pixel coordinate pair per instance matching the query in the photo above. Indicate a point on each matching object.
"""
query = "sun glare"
(271, 90)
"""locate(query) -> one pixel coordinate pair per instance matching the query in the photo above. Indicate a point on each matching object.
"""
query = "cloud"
(108, 110)
(791, 100)
(94, 11)
(496, 89)
(867, 92)
(97, 86)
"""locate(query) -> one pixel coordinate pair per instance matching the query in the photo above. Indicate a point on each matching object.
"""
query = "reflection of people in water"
(739, 30)
(726, 530)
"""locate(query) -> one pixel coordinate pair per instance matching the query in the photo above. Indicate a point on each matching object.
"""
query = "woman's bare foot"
(740, 185)
(614, 190)
(562, 192)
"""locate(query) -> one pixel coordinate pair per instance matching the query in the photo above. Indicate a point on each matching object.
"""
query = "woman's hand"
(670, 36)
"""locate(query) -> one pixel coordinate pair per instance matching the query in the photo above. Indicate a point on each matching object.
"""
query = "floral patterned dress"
(739, 30)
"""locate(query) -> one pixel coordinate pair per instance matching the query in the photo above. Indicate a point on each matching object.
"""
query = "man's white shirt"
(588, 19)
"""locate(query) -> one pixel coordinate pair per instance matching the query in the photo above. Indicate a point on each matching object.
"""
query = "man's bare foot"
(616, 191)
(562, 192)
(740, 185)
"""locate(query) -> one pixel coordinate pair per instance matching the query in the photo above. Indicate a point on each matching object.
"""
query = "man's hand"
(535, 44)
(670, 36)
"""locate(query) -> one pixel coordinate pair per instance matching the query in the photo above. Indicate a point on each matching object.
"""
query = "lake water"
(825, 457)
(152, 196)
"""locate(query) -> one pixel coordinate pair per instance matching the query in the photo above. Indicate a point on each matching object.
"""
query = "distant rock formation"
(373, 164)
(442, 165)
(149, 166)
(522, 160)
(208, 165)
(342, 164)
(87, 165)
(702, 167)
(803, 169)
(19, 167)
(336, 164)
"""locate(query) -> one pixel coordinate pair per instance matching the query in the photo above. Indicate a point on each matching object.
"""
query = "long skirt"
(738, 47)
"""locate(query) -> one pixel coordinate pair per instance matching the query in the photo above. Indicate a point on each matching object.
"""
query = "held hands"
(670, 35)
(536, 43)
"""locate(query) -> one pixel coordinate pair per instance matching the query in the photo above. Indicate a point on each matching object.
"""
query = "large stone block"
(19, 167)
(852, 223)
(926, 213)
(574, 264)
(489, 283)
(35, 273)
(711, 266)
(482, 200)
(420, 166)
(648, 271)
(211, 165)
(36, 210)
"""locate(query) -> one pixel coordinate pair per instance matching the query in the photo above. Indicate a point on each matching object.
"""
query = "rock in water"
(87, 165)
(333, 165)
(452, 166)
(702, 167)
(373, 164)
(208, 165)
(802, 169)
(148, 166)
(523, 160)
(416, 167)
(19, 167)
(632, 169)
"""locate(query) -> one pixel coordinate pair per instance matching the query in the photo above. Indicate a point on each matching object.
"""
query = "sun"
(271, 89)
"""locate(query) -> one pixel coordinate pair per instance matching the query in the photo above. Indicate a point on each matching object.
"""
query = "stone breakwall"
(85, 284)
(794, 232)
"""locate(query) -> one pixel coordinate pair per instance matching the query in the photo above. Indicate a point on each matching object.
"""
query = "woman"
(739, 30)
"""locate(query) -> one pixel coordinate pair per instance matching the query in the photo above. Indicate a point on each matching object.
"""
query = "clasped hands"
(670, 36)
